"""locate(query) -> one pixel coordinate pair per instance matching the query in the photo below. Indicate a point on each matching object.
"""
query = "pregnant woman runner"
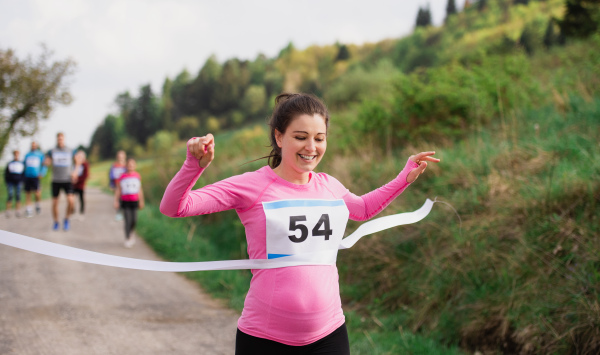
(287, 209)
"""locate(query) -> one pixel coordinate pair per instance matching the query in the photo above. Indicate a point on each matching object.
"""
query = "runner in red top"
(82, 175)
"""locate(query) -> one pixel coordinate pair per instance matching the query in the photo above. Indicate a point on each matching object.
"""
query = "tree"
(30, 89)
(230, 87)
(255, 100)
(180, 97)
(166, 105)
(125, 103)
(521, 2)
(144, 119)
(423, 17)
(482, 5)
(581, 18)
(505, 9)
(343, 53)
(203, 87)
(287, 50)
(527, 40)
(549, 35)
(450, 8)
(106, 137)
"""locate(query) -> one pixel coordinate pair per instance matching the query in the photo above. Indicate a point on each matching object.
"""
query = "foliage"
(343, 53)
(482, 5)
(527, 40)
(255, 100)
(550, 37)
(108, 138)
(582, 18)
(451, 8)
(423, 17)
(447, 102)
(360, 83)
(143, 120)
(159, 146)
(187, 126)
(30, 89)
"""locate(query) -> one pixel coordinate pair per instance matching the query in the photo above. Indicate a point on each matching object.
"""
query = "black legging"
(130, 213)
(335, 343)
(81, 202)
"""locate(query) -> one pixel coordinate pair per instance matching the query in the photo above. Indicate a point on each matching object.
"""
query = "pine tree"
(343, 53)
(423, 17)
(450, 8)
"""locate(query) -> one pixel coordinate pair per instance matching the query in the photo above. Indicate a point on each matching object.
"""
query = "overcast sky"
(122, 44)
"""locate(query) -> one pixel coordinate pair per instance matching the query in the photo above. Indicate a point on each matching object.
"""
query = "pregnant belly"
(293, 301)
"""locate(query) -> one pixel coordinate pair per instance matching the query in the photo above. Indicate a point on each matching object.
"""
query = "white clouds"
(48, 13)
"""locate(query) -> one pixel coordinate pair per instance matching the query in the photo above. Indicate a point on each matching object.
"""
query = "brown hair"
(288, 107)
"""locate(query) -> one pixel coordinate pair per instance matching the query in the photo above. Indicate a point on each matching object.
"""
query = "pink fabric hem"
(293, 342)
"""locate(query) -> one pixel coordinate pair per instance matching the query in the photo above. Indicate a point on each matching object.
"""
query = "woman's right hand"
(203, 149)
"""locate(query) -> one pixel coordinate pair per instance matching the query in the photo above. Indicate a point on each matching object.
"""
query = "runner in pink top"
(287, 208)
(129, 196)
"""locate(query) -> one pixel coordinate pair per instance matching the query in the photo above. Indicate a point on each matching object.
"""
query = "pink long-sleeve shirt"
(293, 305)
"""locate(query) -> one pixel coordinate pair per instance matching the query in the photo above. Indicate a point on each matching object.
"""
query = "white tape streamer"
(65, 252)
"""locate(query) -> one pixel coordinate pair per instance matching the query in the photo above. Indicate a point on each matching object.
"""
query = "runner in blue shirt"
(34, 170)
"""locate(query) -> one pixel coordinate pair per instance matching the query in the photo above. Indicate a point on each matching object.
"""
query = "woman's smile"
(307, 157)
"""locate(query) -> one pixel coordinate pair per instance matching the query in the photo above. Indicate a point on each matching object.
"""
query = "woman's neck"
(292, 176)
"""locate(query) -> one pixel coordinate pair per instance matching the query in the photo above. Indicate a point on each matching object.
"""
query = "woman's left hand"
(421, 159)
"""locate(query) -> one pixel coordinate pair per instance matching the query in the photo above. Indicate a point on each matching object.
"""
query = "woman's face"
(303, 144)
(131, 165)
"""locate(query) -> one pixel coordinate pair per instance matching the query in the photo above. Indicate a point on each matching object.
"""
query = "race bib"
(130, 186)
(117, 172)
(61, 159)
(16, 167)
(33, 161)
(80, 170)
(304, 226)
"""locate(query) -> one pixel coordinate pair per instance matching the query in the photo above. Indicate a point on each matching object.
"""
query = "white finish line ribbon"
(65, 252)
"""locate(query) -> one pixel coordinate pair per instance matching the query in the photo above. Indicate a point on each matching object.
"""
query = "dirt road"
(53, 306)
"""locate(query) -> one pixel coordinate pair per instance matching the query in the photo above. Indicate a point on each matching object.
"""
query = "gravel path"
(54, 306)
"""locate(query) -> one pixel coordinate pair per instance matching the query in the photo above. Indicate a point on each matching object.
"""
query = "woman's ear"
(278, 137)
